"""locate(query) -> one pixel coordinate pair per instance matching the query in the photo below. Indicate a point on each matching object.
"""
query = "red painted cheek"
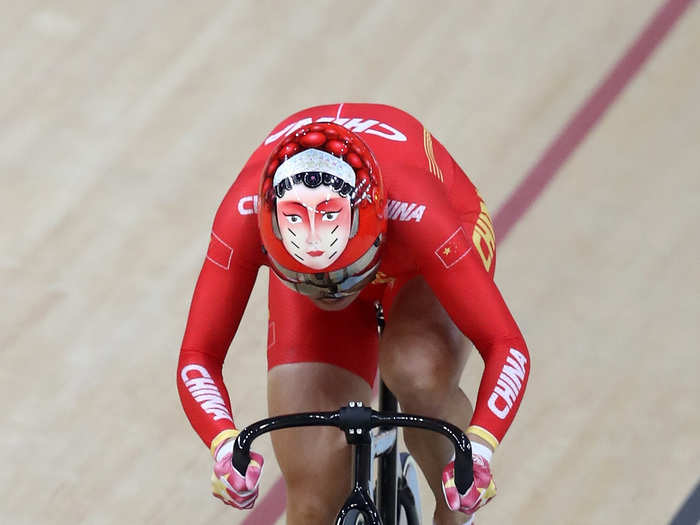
(343, 221)
(301, 230)
(339, 228)
(298, 232)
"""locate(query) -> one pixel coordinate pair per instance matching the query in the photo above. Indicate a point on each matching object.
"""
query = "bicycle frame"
(386, 473)
(357, 421)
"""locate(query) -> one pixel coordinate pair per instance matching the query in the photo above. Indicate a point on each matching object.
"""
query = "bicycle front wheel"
(408, 501)
(355, 517)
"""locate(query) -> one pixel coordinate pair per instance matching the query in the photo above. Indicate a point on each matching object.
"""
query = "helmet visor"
(350, 286)
(333, 285)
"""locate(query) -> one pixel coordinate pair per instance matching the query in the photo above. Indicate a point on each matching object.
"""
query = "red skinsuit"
(438, 228)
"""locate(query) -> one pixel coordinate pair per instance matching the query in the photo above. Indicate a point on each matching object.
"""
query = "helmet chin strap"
(275, 224)
(355, 222)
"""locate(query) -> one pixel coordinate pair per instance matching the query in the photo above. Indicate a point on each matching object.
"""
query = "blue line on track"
(689, 513)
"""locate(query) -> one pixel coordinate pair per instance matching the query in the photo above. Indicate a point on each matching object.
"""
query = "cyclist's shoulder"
(244, 184)
(380, 109)
(347, 110)
(372, 121)
(236, 222)
(236, 215)
(387, 122)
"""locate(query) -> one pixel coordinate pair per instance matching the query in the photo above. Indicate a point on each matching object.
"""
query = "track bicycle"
(385, 495)
(391, 496)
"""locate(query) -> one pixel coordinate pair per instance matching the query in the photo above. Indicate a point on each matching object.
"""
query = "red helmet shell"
(368, 199)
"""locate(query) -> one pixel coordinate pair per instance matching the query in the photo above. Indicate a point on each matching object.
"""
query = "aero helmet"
(322, 211)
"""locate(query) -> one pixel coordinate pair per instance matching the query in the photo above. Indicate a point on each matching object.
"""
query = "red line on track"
(272, 505)
(270, 508)
(587, 116)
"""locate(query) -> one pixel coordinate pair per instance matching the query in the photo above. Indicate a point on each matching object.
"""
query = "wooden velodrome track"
(122, 124)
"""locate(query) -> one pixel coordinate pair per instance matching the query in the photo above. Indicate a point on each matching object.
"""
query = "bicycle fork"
(358, 434)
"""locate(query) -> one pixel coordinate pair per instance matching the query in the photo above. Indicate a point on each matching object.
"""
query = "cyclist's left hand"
(230, 486)
(478, 494)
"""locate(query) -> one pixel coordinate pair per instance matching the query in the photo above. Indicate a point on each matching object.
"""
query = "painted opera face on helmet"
(313, 207)
(321, 217)
(315, 224)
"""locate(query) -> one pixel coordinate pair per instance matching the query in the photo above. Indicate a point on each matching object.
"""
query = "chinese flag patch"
(219, 252)
(453, 249)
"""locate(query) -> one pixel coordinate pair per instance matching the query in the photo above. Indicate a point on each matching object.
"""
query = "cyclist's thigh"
(421, 347)
(299, 332)
(318, 360)
(314, 458)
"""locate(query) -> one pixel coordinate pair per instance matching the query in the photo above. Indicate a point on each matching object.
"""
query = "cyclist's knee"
(305, 507)
(417, 378)
(316, 465)
(316, 502)
(422, 353)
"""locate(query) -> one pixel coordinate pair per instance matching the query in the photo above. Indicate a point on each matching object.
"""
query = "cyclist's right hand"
(480, 492)
(230, 486)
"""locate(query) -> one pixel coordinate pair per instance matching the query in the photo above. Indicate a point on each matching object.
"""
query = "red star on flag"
(453, 249)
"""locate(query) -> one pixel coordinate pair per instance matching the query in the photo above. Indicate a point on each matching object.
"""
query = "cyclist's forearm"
(203, 394)
(217, 307)
(506, 372)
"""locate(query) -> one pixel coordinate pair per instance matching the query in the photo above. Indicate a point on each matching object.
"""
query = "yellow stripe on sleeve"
(483, 434)
(221, 437)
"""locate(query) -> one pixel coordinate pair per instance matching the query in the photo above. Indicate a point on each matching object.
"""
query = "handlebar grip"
(464, 471)
(240, 458)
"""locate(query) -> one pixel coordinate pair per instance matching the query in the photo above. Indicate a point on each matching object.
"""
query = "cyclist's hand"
(479, 493)
(230, 486)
